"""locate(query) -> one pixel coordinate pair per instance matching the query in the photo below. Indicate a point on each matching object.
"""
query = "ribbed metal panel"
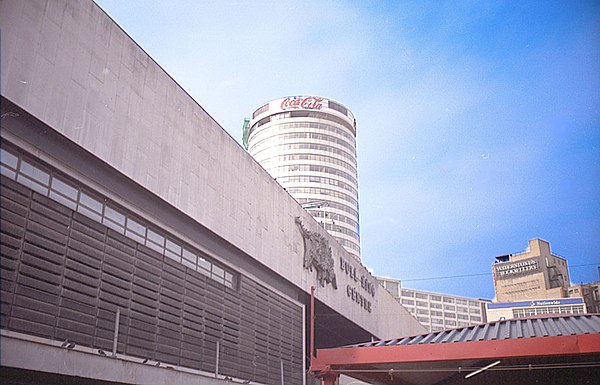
(503, 330)
(64, 275)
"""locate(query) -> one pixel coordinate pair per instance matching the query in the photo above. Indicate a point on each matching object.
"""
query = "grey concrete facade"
(36, 354)
(151, 147)
(68, 277)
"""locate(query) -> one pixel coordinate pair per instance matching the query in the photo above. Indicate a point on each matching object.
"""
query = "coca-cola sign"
(306, 103)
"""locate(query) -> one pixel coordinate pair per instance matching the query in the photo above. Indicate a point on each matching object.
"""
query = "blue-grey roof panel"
(566, 325)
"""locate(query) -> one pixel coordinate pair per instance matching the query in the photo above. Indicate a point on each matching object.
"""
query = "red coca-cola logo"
(307, 103)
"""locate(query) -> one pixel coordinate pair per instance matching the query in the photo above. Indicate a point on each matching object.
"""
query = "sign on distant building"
(307, 103)
(510, 270)
(523, 309)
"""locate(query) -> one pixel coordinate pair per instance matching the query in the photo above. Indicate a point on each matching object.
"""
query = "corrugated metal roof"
(504, 330)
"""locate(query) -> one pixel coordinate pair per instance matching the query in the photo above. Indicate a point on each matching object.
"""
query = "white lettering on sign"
(516, 268)
(545, 303)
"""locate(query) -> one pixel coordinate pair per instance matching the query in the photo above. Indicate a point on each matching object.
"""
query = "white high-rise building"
(308, 144)
(437, 311)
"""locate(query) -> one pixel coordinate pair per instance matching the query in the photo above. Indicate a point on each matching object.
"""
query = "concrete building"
(536, 282)
(590, 292)
(308, 144)
(139, 242)
(436, 311)
(533, 274)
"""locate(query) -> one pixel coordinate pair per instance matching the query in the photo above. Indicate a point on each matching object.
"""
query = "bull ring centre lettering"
(353, 292)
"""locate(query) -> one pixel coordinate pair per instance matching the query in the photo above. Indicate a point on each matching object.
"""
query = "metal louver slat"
(428, 339)
(473, 333)
(450, 336)
(540, 325)
(416, 340)
(566, 327)
(552, 327)
(439, 337)
(495, 331)
(483, 335)
(530, 330)
(591, 323)
(519, 328)
(462, 336)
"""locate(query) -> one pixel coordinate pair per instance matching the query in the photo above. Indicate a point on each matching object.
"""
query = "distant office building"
(522, 309)
(436, 311)
(536, 282)
(308, 144)
(534, 274)
(590, 292)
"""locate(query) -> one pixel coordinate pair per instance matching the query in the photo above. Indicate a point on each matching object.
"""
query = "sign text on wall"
(505, 271)
(353, 292)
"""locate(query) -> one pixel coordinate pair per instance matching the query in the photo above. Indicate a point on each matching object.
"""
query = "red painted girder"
(473, 350)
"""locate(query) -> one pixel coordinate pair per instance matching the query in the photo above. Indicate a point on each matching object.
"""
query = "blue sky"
(478, 121)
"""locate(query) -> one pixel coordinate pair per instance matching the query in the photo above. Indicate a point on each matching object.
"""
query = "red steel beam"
(312, 323)
(328, 359)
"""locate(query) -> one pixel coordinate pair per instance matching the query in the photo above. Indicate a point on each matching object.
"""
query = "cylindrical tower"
(308, 144)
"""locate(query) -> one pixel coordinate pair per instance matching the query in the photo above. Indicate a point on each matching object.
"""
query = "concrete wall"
(64, 276)
(68, 64)
(42, 357)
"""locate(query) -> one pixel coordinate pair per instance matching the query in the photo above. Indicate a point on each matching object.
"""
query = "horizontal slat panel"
(72, 274)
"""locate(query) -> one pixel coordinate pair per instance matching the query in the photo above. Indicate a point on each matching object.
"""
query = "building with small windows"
(536, 282)
(436, 311)
(590, 292)
(533, 274)
(140, 244)
(308, 144)
(497, 311)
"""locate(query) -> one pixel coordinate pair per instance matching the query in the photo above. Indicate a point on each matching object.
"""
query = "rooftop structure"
(533, 274)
